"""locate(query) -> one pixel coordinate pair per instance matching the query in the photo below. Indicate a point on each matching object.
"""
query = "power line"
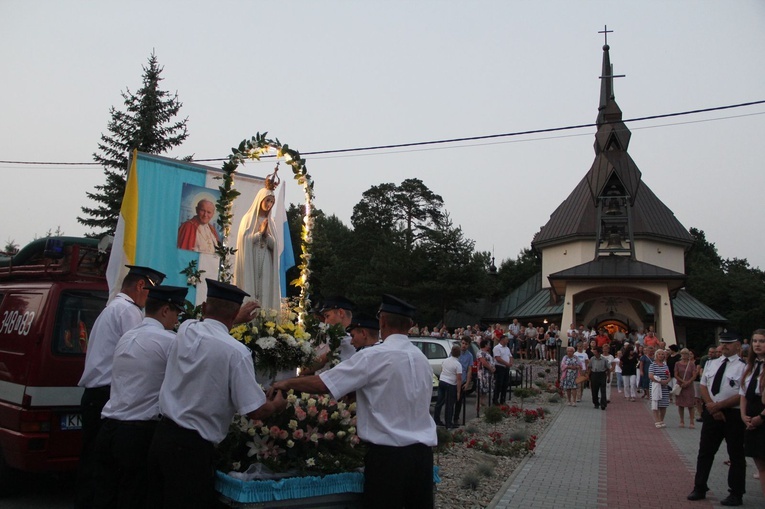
(453, 140)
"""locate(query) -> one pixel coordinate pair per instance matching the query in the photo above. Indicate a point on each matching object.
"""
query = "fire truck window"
(77, 311)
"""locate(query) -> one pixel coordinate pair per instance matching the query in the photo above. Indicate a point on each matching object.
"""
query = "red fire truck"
(50, 294)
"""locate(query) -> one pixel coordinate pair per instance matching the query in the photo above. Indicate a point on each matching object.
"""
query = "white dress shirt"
(393, 383)
(209, 378)
(731, 381)
(121, 315)
(138, 371)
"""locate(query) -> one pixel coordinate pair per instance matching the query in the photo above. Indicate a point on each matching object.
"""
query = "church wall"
(662, 254)
(564, 256)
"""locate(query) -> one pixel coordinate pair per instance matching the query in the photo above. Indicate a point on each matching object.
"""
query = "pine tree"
(147, 125)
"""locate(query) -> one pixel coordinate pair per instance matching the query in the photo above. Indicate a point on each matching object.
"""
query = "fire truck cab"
(51, 293)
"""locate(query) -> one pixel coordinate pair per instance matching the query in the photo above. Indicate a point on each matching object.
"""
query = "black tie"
(751, 389)
(718, 377)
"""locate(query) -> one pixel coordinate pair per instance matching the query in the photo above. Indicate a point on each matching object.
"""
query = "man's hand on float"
(246, 312)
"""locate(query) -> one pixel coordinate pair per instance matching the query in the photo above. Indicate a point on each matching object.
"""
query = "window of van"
(77, 312)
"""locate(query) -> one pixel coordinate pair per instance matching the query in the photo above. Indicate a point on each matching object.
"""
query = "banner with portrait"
(168, 220)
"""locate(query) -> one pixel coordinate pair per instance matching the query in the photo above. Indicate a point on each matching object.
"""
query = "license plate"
(71, 421)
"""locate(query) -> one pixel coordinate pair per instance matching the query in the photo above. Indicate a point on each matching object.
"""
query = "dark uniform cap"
(174, 295)
(225, 291)
(155, 277)
(729, 336)
(336, 303)
(396, 306)
(363, 322)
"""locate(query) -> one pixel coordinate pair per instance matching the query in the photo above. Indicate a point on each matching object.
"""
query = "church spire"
(612, 133)
(608, 110)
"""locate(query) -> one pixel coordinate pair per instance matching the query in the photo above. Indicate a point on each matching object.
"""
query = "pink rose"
(323, 417)
(300, 414)
(312, 411)
(284, 434)
(298, 434)
(274, 431)
(329, 435)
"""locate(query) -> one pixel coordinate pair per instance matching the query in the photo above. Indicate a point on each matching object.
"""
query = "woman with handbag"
(685, 374)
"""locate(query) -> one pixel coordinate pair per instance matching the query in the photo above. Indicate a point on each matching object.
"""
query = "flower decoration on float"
(315, 434)
(280, 341)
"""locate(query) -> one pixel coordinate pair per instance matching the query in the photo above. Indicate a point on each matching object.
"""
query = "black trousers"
(598, 388)
(459, 405)
(447, 395)
(712, 434)
(181, 469)
(91, 404)
(501, 382)
(121, 460)
(396, 477)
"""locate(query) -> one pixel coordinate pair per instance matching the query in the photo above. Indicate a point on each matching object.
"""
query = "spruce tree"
(149, 125)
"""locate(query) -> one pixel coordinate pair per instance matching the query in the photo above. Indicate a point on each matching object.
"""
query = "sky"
(326, 75)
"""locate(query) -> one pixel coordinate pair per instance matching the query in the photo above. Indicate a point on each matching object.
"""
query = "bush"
(541, 384)
(554, 399)
(471, 480)
(485, 469)
(547, 370)
(541, 375)
(444, 439)
(519, 435)
(492, 415)
(471, 429)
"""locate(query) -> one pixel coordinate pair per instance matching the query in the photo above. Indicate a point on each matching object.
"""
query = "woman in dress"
(685, 374)
(658, 373)
(629, 364)
(486, 369)
(752, 404)
(256, 266)
(570, 369)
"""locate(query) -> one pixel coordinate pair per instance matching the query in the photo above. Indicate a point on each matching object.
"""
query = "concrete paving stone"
(603, 459)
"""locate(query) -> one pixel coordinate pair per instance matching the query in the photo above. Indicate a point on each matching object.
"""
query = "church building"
(613, 254)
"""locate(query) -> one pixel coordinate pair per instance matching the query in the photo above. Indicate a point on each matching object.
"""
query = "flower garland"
(255, 148)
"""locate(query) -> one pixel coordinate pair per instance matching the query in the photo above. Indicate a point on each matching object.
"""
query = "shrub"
(519, 435)
(492, 415)
(444, 439)
(541, 375)
(541, 384)
(485, 469)
(554, 399)
(471, 429)
(547, 370)
(471, 480)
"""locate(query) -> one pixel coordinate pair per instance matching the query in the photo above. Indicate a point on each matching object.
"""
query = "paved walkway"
(589, 458)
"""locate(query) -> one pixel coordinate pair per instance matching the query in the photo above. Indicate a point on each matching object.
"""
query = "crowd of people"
(156, 403)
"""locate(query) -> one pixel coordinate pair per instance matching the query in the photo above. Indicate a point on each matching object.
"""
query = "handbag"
(677, 389)
(581, 379)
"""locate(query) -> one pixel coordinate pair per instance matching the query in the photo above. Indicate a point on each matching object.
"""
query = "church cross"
(605, 32)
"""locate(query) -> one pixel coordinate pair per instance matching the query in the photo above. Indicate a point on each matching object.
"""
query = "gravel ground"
(458, 462)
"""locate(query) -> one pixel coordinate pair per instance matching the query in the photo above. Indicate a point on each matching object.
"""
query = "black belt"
(132, 423)
(397, 447)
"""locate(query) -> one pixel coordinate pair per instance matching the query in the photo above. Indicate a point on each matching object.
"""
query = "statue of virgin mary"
(256, 266)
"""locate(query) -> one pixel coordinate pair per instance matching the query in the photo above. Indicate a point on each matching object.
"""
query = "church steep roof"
(577, 216)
